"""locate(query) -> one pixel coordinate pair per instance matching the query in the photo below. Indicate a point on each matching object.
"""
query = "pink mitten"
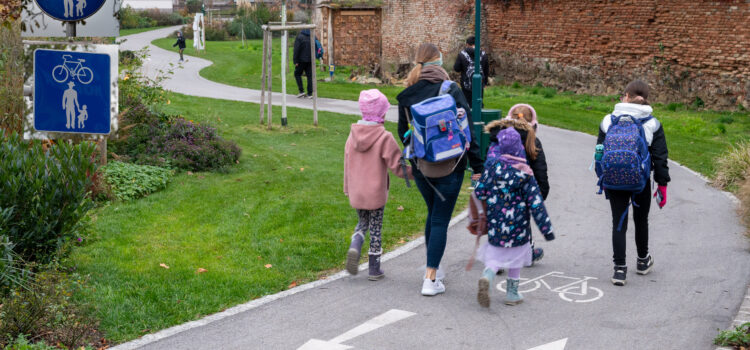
(661, 191)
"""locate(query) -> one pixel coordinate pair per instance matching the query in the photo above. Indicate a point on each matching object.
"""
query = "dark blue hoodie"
(302, 52)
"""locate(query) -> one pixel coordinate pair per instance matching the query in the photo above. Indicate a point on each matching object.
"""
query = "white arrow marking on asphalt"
(391, 316)
(555, 345)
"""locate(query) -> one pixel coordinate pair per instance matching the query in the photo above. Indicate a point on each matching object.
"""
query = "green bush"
(21, 343)
(739, 337)
(252, 20)
(130, 18)
(46, 193)
(132, 181)
(48, 311)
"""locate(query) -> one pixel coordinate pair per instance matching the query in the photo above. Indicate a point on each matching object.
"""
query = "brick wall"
(684, 49)
(407, 23)
(356, 36)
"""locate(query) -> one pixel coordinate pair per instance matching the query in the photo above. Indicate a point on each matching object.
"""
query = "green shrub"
(732, 167)
(516, 85)
(675, 106)
(549, 92)
(132, 181)
(251, 20)
(46, 192)
(21, 343)
(11, 84)
(739, 337)
(48, 311)
(130, 18)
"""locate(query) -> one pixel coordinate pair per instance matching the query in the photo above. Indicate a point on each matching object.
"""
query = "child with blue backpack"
(630, 145)
(512, 194)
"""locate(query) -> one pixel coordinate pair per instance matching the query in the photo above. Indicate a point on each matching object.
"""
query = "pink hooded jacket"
(370, 151)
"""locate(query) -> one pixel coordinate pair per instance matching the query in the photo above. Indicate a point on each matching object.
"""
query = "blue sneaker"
(620, 276)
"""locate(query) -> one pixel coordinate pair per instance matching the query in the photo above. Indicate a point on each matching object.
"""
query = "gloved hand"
(661, 191)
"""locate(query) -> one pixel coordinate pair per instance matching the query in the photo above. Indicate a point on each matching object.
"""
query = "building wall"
(687, 50)
(356, 36)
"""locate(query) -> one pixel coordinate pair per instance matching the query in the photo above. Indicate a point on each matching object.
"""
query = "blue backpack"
(437, 133)
(318, 49)
(626, 162)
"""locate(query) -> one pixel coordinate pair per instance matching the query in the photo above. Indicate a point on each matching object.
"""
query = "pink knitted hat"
(373, 105)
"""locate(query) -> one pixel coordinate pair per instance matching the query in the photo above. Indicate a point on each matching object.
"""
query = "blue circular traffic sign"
(70, 10)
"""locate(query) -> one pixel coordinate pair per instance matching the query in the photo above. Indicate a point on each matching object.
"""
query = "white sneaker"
(430, 288)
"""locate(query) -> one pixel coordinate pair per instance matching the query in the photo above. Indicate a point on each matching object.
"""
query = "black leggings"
(619, 202)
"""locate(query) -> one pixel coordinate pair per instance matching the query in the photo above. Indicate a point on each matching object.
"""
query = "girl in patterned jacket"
(512, 194)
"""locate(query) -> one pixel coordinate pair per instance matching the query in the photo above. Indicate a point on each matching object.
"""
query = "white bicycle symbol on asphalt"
(74, 69)
(577, 291)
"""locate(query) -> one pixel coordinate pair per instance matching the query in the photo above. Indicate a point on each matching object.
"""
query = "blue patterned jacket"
(512, 197)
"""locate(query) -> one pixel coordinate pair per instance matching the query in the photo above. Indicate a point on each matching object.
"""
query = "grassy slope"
(232, 224)
(695, 137)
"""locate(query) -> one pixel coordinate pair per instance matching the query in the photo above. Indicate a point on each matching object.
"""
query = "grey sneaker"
(619, 278)
(301, 95)
(644, 265)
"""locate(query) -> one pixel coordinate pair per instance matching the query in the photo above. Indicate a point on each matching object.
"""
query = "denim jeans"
(439, 212)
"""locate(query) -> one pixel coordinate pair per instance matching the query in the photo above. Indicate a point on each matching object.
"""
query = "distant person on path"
(523, 118)
(424, 81)
(465, 65)
(370, 152)
(634, 104)
(511, 194)
(303, 62)
(180, 44)
(70, 106)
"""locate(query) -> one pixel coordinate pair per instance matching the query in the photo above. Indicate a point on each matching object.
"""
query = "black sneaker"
(645, 265)
(620, 275)
(536, 255)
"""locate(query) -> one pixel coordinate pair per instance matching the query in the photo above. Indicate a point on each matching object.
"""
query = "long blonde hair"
(523, 114)
(425, 53)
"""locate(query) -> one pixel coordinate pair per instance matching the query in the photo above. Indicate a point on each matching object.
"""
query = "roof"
(352, 4)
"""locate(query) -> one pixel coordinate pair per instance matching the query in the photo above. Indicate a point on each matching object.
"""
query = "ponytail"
(530, 145)
(414, 74)
(426, 52)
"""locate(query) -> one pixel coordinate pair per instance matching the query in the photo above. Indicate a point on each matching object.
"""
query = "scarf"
(433, 74)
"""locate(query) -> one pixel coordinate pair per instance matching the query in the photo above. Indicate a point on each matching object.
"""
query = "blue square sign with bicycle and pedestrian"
(72, 92)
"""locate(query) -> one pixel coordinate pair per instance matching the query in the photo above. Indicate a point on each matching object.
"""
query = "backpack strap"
(445, 86)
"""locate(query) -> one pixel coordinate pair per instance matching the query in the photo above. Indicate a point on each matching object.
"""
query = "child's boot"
(375, 272)
(512, 296)
(355, 249)
(483, 296)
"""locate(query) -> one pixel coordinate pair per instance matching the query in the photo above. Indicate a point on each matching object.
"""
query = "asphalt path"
(700, 275)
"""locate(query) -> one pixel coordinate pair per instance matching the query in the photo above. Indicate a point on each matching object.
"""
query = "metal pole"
(70, 29)
(283, 63)
(476, 79)
(314, 68)
(270, 79)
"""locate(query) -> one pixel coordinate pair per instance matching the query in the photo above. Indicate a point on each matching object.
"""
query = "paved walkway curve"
(701, 271)
(188, 81)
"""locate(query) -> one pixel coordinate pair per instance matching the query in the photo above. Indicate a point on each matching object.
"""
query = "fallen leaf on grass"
(288, 167)
(164, 266)
(401, 241)
(200, 270)
(281, 239)
(238, 180)
(301, 169)
(400, 208)
(292, 285)
(255, 156)
(145, 330)
(219, 257)
(190, 173)
(294, 144)
(268, 266)
(201, 177)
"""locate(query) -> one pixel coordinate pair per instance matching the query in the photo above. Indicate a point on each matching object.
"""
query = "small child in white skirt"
(512, 195)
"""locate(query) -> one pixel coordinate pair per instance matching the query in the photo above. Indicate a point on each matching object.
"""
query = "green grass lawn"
(695, 138)
(281, 205)
(124, 32)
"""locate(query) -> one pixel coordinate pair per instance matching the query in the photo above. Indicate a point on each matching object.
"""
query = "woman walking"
(439, 192)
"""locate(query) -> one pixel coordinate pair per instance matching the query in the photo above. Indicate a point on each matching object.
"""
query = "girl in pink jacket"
(370, 152)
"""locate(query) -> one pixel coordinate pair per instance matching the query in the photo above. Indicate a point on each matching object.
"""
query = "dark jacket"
(180, 42)
(423, 90)
(302, 47)
(538, 165)
(654, 132)
(462, 64)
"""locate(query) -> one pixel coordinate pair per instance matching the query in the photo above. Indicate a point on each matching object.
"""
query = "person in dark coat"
(634, 103)
(465, 65)
(180, 44)
(424, 81)
(303, 62)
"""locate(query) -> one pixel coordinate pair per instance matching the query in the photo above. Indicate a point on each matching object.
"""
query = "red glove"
(661, 191)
